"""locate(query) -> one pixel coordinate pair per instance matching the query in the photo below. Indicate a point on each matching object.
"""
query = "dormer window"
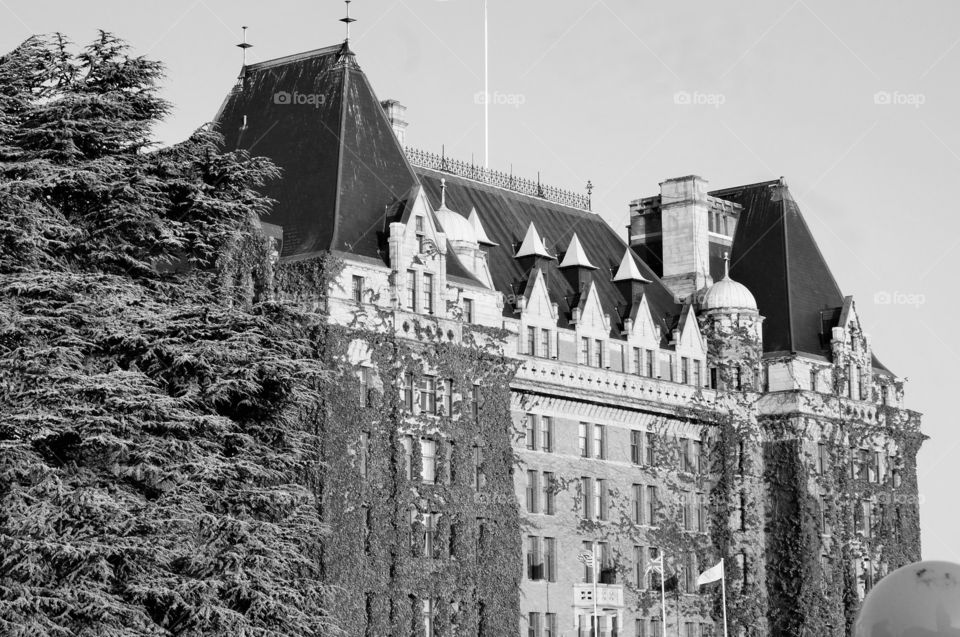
(468, 310)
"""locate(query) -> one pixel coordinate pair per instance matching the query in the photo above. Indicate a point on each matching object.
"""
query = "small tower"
(731, 323)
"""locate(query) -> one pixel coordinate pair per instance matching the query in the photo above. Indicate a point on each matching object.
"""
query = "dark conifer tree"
(157, 457)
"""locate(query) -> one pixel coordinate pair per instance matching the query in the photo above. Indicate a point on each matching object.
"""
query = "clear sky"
(587, 89)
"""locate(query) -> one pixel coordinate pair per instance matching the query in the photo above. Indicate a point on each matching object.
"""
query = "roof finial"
(244, 46)
(347, 20)
(443, 192)
(726, 265)
(589, 194)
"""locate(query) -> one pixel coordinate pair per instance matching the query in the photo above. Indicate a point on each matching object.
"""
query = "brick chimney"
(396, 113)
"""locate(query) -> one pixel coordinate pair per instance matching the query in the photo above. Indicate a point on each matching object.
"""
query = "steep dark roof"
(506, 215)
(342, 165)
(775, 255)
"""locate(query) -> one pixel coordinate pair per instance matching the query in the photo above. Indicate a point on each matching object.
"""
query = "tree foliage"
(158, 452)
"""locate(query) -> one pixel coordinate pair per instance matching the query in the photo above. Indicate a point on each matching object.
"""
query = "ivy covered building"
(524, 386)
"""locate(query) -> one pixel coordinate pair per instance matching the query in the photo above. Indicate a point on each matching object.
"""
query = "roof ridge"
(295, 57)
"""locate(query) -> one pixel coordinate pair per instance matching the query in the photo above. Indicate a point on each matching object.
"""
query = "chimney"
(684, 214)
(396, 113)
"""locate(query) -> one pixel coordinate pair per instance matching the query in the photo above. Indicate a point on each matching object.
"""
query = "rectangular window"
(428, 455)
(584, 441)
(599, 441)
(428, 293)
(702, 512)
(428, 395)
(697, 373)
(743, 510)
(600, 497)
(445, 391)
(584, 351)
(534, 561)
(533, 491)
(549, 494)
(430, 545)
(608, 574)
(636, 504)
(419, 223)
(550, 559)
(531, 341)
(534, 625)
(656, 629)
(546, 433)
(650, 362)
(636, 447)
(813, 379)
(475, 401)
(588, 499)
(698, 457)
(550, 625)
(408, 392)
(545, 343)
(691, 629)
(651, 448)
(638, 578)
(598, 353)
(411, 290)
(714, 378)
(637, 361)
(685, 370)
(822, 459)
(407, 442)
(468, 310)
(685, 511)
(652, 505)
(640, 628)
(530, 421)
(479, 480)
(357, 289)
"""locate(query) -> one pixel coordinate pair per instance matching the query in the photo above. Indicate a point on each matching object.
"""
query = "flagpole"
(486, 89)
(596, 576)
(723, 589)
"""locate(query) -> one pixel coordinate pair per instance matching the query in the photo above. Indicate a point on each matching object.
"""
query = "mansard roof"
(345, 176)
(776, 257)
(506, 215)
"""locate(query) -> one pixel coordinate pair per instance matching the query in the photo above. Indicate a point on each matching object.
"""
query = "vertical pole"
(723, 590)
(596, 578)
(486, 90)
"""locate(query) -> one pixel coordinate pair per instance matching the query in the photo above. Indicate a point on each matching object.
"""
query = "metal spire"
(347, 20)
(726, 265)
(243, 47)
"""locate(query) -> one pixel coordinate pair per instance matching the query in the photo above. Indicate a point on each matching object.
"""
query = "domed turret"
(727, 294)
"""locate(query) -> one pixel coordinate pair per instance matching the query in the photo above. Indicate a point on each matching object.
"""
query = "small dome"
(728, 294)
(456, 226)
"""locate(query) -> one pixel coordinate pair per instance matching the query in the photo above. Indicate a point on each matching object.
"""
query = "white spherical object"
(457, 227)
(918, 600)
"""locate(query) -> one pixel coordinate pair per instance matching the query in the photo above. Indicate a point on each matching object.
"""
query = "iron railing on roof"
(507, 181)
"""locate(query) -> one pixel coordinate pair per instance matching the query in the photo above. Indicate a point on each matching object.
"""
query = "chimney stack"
(396, 113)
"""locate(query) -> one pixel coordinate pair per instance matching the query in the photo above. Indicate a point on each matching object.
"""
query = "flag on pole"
(655, 564)
(586, 558)
(712, 574)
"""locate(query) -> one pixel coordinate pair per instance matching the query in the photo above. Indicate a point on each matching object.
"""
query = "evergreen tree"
(157, 441)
